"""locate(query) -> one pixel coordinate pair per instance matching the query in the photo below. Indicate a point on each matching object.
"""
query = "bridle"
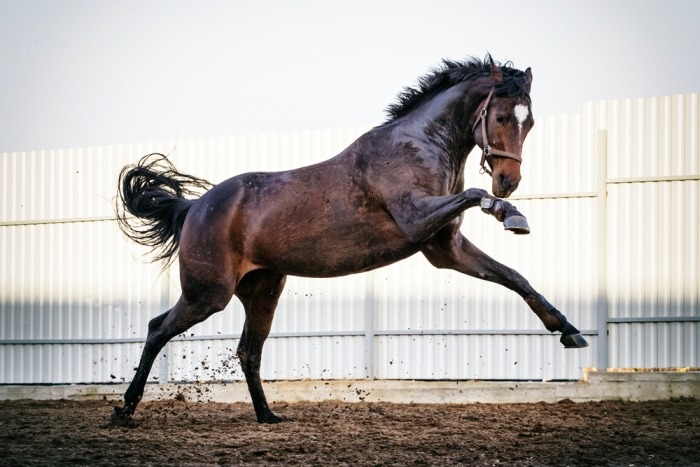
(488, 151)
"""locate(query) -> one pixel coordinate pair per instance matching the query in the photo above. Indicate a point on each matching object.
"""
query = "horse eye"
(501, 120)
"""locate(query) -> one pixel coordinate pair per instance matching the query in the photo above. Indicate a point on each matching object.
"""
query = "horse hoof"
(271, 419)
(573, 341)
(116, 415)
(517, 224)
(120, 415)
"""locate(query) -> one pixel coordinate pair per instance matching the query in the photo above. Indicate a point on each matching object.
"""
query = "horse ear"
(528, 74)
(496, 73)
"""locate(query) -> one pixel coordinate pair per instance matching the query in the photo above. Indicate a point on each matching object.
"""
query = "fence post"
(369, 324)
(602, 179)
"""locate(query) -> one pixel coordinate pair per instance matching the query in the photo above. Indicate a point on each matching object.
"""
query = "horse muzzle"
(504, 184)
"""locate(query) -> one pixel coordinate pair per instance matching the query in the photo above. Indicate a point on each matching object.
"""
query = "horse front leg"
(420, 217)
(450, 249)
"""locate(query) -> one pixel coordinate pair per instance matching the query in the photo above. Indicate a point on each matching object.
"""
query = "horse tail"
(151, 203)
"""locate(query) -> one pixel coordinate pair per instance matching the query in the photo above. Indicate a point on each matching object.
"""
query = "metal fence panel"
(653, 195)
(655, 345)
(76, 297)
(480, 356)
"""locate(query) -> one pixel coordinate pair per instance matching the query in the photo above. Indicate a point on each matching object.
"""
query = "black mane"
(452, 72)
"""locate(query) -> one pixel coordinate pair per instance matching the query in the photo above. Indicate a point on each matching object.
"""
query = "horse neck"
(442, 126)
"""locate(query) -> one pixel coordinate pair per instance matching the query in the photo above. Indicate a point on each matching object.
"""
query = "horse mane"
(452, 72)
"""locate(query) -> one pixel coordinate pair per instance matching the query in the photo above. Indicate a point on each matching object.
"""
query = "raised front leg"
(450, 249)
(421, 217)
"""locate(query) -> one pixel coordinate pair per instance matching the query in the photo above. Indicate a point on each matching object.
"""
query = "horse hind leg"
(259, 291)
(161, 329)
(155, 341)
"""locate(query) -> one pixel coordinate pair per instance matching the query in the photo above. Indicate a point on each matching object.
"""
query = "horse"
(395, 191)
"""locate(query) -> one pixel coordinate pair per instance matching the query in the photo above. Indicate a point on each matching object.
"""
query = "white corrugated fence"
(611, 194)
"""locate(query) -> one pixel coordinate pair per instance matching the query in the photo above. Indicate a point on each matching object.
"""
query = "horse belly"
(333, 249)
(338, 260)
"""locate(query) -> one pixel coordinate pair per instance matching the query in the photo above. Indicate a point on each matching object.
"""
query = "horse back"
(318, 221)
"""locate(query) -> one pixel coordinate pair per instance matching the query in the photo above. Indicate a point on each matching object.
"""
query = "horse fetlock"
(555, 321)
(487, 202)
(552, 319)
(505, 212)
(134, 392)
(493, 206)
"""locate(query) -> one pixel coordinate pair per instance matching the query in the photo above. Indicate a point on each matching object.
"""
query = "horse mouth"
(504, 186)
(501, 192)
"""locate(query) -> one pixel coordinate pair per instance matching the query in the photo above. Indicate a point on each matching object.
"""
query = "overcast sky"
(78, 73)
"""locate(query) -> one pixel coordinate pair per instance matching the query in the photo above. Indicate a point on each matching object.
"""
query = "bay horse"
(395, 191)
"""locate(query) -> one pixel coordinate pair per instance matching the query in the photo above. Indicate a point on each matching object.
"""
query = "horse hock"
(505, 212)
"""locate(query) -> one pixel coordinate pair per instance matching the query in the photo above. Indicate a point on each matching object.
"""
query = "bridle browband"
(488, 151)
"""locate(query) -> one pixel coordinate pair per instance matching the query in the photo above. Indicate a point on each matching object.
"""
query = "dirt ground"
(337, 433)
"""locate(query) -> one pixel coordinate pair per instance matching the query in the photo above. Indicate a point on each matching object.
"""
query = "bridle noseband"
(488, 152)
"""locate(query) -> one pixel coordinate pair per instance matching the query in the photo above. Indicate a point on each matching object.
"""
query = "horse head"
(500, 128)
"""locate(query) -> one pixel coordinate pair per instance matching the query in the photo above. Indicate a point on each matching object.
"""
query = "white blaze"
(521, 112)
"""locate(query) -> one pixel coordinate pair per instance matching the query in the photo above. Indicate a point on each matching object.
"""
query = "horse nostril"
(505, 182)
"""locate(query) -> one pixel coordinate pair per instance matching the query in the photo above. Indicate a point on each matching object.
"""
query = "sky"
(79, 73)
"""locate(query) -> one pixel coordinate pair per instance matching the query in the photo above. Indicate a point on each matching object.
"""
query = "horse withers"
(395, 191)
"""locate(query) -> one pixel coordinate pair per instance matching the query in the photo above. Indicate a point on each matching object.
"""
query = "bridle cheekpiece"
(488, 151)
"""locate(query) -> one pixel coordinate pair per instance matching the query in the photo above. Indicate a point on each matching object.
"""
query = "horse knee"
(476, 193)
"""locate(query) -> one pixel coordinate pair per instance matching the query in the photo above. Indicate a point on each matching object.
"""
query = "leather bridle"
(488, 151)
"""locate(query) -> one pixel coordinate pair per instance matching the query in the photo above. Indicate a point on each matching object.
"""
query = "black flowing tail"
(151, 206)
